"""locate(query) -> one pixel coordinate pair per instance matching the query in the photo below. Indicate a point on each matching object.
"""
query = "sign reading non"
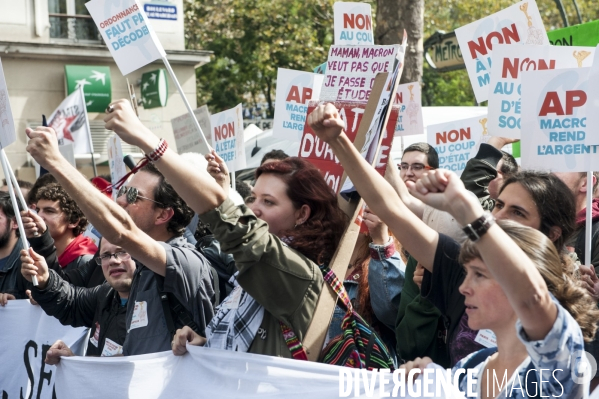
(227, 137)
(353, 23)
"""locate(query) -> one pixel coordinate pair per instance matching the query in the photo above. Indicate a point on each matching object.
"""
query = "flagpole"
(11, 182)
(187, 105)
(589, 221)
(233, 184)
(89, 132)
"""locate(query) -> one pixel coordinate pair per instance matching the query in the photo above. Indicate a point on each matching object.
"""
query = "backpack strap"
(293, 343)
(337, 286)
(475, 360)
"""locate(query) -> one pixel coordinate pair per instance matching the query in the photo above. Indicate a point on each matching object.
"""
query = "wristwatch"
(479, 227)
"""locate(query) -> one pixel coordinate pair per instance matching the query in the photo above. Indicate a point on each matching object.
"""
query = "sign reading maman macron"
(505, 94)
(353, 23)
(129, 37)
(294, 90)
(520, 23)
(408, 99)
(554, 117)
(27, 334)
(351, 71)
(457, 141)
(227, 137)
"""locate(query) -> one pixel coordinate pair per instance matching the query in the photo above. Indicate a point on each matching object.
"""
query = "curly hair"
(165, 194)
(318, 237)
(74, 215)
(561, 282)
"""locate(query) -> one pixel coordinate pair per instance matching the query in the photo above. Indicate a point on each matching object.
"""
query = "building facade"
(38, 38)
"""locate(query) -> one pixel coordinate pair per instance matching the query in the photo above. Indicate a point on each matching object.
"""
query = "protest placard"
(7, 123)
(129, 37)
(554, 118)
(187, 137)
(520, 23)
(351, 71)
(408, 99)
(505, 91)
(592, 105)
(353, 24)
(27, 334)
(117, 166)
(457, 141)
(294, 90)
(227, 137)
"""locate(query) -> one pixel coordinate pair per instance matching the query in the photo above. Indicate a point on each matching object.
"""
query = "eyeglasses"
(121, 255)
(416, 167)
(133, 194)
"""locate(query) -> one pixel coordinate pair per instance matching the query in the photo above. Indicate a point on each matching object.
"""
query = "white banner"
(457, 141)
(554, 118)
(127, 33)
(27, 334)
(351, 71)
(353, 24)
(212, 373)
(187, 136)
(505, 91)
(8, 134)
(69, 121)
(520, 23)
(409, 99)
(294, 90)
(227, 137)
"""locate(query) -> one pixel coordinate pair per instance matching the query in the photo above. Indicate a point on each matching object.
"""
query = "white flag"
(69, 121)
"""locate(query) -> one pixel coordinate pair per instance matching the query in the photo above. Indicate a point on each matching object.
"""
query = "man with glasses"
(172, 278)
(102, 308)
(417, 159)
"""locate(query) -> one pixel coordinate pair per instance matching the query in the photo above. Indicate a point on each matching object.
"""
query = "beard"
(5, 237)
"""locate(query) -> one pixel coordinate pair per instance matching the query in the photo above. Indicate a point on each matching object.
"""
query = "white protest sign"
(27, 334)
(409, 99)
(593, 103)
(117, 166)
(127, 33)
(7, 123)
(520, 23)
(351, 71)
(212, 373)
(554, 118)
(505, 91)
(294, 90)
(227, 137)
(187, 136)
(457, 141)
(353, 24)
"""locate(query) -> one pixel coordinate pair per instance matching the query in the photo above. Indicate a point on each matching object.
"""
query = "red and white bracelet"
(158, 151)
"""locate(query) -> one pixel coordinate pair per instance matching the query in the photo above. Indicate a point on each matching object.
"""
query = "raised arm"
(393, 177)
(197, 188)
(110, 219)
(419, 239)
(510, 266)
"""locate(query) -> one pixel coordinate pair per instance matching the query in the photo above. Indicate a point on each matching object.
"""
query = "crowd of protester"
(184, 259)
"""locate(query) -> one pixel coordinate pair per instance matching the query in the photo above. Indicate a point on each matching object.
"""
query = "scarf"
(81, 245)
(581, 217)
(236, 321)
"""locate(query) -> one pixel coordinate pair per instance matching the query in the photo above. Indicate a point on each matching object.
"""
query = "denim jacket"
(386, 279)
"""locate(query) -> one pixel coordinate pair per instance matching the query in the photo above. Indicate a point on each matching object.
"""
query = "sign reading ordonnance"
(129, 37)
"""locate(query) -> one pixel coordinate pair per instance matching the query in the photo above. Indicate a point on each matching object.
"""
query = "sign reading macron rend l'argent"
(129, 37)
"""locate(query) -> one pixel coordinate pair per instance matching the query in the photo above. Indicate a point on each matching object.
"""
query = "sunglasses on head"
(132, 194)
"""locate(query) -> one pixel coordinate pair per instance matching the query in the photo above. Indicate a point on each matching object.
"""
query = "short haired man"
(417, 159)
(65, 224)
(148, 224)
(12, 283)
(102, 308)
(25, 186)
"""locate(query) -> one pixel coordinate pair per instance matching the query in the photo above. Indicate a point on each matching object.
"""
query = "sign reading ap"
(517, 24)
(128, 35)
(554, 117)
(353, 24)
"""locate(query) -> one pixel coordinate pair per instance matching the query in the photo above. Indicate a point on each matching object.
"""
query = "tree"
(392, 17)
(251, 39)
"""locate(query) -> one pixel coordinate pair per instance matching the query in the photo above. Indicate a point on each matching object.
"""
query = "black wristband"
(479, 227)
